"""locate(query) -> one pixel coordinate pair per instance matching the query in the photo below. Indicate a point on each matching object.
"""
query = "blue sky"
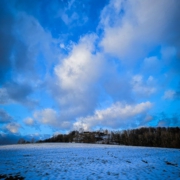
(66, 65)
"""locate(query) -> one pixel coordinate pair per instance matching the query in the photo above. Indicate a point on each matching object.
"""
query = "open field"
(88, 161)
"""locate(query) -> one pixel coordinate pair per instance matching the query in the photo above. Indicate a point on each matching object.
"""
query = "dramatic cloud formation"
(132, 29)
(77, 79)
(116, 115)
(67, 65)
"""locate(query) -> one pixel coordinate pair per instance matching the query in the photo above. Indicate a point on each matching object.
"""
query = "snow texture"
(88, 162)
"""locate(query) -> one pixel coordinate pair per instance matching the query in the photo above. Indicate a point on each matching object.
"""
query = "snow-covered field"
(88, 161)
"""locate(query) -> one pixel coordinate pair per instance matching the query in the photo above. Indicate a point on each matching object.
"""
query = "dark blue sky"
(88, 64)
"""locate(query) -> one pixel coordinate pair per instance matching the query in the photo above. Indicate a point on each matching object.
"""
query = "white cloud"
(46, 116)
(62, 46)
(29, 121)
(138, 26)
(77, 75)
(116, 116)
(50, 117)
(169, 94)
(13, 127)
(79, 69)
(143, 88)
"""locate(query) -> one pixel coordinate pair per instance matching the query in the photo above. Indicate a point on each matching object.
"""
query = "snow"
(89, 161)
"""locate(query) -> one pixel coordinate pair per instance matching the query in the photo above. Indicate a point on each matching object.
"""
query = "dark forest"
(150, 137)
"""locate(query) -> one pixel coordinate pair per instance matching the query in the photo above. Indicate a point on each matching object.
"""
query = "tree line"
(152, 137)
(146, 136)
